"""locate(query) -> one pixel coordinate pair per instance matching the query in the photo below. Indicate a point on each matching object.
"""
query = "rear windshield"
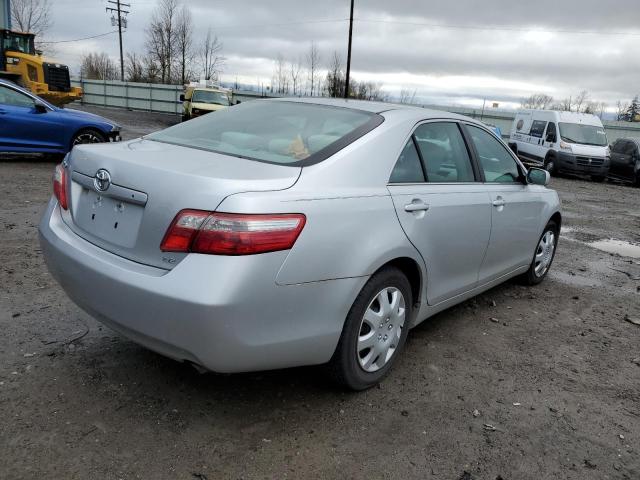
(279, 132)
(583, 134)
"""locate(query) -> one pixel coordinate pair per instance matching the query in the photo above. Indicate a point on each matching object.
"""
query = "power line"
(509, 28)
(84, 38)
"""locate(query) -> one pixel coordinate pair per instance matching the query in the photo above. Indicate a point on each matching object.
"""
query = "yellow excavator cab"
(21, 63)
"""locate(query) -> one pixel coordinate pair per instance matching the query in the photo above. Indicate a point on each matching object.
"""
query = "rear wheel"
(543, 255)
(88, 136)
(375, 331)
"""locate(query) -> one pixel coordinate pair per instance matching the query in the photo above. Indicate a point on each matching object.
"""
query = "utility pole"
(346, 80)
(120, 21)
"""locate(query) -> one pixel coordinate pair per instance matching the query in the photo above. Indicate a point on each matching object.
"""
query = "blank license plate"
(109, 219)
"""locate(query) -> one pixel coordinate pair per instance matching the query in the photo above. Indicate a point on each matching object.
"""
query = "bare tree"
(134, 68)
(99, 66)
(211, 59)
(621, 110)
(184, 34)
(537, 101)
(313, 62)
(294, 72)
(407, 96)
(161, 33)
(582, 101)
(335, 82)
(33, 16)
(280, 83)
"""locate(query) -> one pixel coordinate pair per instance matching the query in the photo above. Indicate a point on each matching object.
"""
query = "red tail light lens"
(197, 231)
(60, 186)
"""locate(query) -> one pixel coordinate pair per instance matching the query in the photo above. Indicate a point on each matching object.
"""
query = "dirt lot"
(548, 389)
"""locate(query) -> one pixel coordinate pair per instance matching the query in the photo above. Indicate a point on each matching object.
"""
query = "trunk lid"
(147, 184)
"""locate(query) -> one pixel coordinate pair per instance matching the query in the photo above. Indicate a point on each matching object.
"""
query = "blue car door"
(23, 127)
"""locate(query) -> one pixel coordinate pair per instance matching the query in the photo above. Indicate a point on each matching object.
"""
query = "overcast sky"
(451, 52)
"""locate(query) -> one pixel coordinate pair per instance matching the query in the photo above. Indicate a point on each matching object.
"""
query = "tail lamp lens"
(197, 231)
(60, 186)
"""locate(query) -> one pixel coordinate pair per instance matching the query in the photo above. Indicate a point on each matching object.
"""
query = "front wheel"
(550, 166)
(374, 332)
(543, 255)
(88, 136)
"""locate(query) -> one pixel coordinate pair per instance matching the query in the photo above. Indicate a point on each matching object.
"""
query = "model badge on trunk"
(102, 180)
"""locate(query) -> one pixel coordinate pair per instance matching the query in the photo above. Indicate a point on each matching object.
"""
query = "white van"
(562, 142)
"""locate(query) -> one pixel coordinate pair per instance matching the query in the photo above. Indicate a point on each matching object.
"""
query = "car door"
(22, 126)
(537, 139)
(443, 209)
(516, 207)
(631, 157)
(617, 157)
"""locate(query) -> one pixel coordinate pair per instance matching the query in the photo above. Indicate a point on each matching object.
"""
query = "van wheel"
(374, 332)
(550, 165)
(543, 255)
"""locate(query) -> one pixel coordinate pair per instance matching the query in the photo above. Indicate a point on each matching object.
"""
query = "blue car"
(30, 124)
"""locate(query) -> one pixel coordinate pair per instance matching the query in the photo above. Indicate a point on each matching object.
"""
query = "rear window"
(279, 132)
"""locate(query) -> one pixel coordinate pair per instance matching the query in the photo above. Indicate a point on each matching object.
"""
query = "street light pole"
(346, 80)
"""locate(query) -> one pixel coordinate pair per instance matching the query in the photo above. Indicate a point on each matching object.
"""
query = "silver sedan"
(280, 233)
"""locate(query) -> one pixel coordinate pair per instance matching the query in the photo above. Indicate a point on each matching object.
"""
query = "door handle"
(416, 206)
(498, 202)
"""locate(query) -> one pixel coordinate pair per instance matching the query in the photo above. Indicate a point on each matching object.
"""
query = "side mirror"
(40, 107)
(538, 176)
(551, 138)
(182, 97)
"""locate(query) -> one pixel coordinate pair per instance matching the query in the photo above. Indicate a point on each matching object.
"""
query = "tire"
(353, 355)
(534, 275)
(185, 118)
(598, 179)
(550, 165)
(88, 135)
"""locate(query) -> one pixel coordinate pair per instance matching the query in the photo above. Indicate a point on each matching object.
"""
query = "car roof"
(377, 107)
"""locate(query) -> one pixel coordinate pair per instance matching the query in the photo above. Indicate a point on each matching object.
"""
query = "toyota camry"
(283, 232)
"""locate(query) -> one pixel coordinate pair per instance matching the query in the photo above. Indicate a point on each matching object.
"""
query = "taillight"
(198, 231)
(60, 186)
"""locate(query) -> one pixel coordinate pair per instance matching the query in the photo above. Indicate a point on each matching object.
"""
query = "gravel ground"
(518, 383)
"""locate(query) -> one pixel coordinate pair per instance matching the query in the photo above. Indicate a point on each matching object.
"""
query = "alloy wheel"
(381, 329)
(86, 137)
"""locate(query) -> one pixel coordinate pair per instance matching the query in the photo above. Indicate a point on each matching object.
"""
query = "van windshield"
(279, 132)
(583, 134)
(207, 96)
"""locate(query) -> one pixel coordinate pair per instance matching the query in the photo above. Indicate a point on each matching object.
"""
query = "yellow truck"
(200, 99)
(22, 64)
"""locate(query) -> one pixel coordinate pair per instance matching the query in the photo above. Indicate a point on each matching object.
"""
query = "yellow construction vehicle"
(22, 64)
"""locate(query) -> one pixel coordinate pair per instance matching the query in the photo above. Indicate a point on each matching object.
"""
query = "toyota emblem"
(102, 180)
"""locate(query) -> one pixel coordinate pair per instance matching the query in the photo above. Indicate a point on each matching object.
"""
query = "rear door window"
(444, 153)
(495, 160)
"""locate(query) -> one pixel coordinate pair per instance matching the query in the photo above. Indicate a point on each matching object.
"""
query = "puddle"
(620, 247)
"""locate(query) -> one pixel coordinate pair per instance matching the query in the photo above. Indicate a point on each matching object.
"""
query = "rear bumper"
(224, 313)
(571, 163)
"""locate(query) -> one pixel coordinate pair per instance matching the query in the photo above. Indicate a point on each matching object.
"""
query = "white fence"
(155, 97)
(152, 97)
